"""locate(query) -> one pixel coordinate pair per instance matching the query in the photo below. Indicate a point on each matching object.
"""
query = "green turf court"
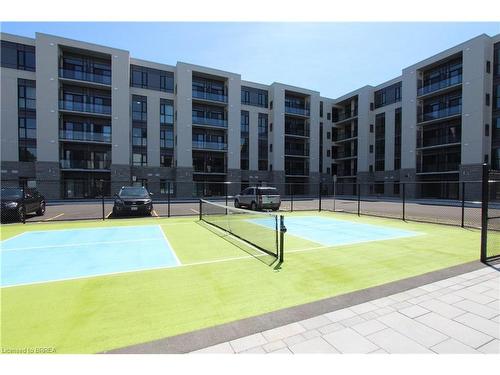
(218, 281)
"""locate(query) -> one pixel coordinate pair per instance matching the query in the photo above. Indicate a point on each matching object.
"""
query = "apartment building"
(78, 119)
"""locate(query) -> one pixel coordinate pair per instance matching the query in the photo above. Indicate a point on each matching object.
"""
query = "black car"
(18, 202)
(133, 200)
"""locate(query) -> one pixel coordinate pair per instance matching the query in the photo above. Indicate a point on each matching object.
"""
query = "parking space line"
(155, 214)
(195, 211)
(109, 214)
(54, 217)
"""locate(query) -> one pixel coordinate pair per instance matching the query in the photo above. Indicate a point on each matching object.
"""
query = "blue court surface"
(333, 232)
(42, 256)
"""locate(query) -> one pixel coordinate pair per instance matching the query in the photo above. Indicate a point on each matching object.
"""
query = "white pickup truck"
(258, 198)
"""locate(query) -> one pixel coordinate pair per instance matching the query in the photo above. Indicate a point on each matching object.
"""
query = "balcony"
(205, 95)
(439, 85)
(301, 131)
(85, 76)
(342, 136)
(342, 116)
(297, 111)
(441, 113)
(85, 164)
(79, 136)
(209, 122)
(438, 141)
(213, 146)
(84, 107)
(438, 168)
(208, 169)
(344, 155)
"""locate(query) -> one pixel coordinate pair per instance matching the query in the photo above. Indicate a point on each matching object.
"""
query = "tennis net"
(259, 229)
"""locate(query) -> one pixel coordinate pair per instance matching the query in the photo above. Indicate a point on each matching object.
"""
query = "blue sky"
(333, 58)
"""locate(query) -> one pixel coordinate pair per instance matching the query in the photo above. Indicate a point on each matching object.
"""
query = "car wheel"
(41, 210)
(20, 214)
(236, 203)
(253, 206)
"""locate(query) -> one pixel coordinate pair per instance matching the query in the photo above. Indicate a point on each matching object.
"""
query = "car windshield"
(267, 191)
(138, 192)
(11, 193)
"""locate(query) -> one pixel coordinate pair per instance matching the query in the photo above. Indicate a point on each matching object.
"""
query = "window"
(486, 130)
(152, 79)
(27, 153)
(271, 147)
(496, 98)
(371, 149)
(166, 137)
(139, 108)
(320, 109)
(166, 187)
(488, 66)
(387, 95)
(26, 93)
(380, 142)
(262, 141)
(244, 140)
(328, 153)
(487, 99)
(166, 160)
(371, 128)
(397, 139)
(254, 96)
(328, 116)
(166, 112)
(139, 137)
(139, 159)
(17, 56)
(328, 135)
(27, 128)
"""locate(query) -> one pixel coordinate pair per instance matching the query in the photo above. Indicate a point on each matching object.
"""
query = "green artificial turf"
(218, 283)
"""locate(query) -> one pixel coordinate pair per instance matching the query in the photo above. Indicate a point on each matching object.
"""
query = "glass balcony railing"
(166, 143)
(441, 113)
(341, 116)
(296, 151)
(73, 135)
(209, 121)
(435, 86)
(297, 111)
(436, 141)
(85, 164)
(203, 145)
(209, 96)
(345, 154)
(343, 136)
(85, 107)
(440, 167)
(296, 171)
(208, 169)
(104, 79)
(297, 130)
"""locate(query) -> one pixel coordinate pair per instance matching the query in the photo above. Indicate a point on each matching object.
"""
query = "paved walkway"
(460, 314)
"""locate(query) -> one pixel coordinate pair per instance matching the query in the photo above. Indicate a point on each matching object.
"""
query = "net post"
(199, 212)
(404, 201)
(282, 238)
(359, 198)
(484, 213)
(463, 204)
(319, 206)
(168, 198)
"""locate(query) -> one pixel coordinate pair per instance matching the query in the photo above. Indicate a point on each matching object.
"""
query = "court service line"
(79, 244)
(54, 217)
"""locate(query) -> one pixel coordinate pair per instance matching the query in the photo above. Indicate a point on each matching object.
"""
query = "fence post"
(199, 212)
(320, 193)
(168, 199)
(404, 201)
(359, 198)
(463, 204)
(334, 192)
(103, 213)
(291, 192)
(484, 213)
(23, 209)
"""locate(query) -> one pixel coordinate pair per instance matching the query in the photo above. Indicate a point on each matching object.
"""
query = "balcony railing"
(343, 136)
(297, 171)
(297, 111)
(84, 107)
(208, 169)
(209, 96)
(297, 130)
(341, 116)
(296, 152)
(435, 86)
(203, 145)
(342, 155)
(73, 135)
(441, 113)
(85, 76)
(440, 167)
(437, 141)
(209, 121)
(85, 164)
(166, 143)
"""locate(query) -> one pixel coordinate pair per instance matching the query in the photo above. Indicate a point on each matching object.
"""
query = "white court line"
(79, 244)
(169, 245)
(11, 238)
(54, 217)
(90, 228)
